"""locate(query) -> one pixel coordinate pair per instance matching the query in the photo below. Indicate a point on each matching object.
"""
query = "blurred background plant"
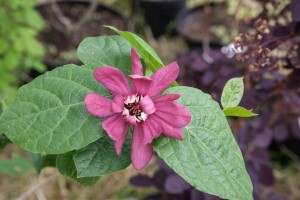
(20, 51)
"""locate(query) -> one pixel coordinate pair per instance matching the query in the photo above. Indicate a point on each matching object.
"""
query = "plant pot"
(195, 25)
(159, 14)
(61, 45)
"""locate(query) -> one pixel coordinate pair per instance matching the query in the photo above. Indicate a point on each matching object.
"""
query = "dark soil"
(58, 41)
(196, 24)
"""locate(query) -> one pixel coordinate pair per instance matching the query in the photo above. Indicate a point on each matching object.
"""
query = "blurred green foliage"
(41, 161)
(15, 167)
(3, 141)
(20, 51)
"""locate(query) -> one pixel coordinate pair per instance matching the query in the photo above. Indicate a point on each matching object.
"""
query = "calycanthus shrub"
(94, 122)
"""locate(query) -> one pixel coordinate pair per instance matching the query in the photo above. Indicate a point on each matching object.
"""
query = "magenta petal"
(137, 67)
(130, 119)
(117, 128)
(113, 79)
(140, 154)
(173, 113)
(140, 84)
(162, 78)
(117, 105)
(119, 143)
(151, 130)
(167, 129)
(172, 132)
(98, 105)
(167, 97)
(147, 105)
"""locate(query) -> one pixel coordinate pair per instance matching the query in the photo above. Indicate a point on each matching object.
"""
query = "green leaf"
(15, 167)
(146, 52)
(100, 158)
(66, 166)
(239, 111)
(208, 157)
(105, 51)
(49, 115)
(232, 92)
(39, 161)
(34, 19)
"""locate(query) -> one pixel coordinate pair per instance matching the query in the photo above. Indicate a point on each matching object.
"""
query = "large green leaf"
(145, 51)
(66, 166)
(49, 115)
(232, 92)
(208, 157)
(105, 51)
(100, 158)
(238, 111)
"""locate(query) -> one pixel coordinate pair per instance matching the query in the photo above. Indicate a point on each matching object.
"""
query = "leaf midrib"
(207, 130)
(210, 152)
(231, 94)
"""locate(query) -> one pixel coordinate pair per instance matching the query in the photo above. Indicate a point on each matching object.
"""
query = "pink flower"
(142, 106)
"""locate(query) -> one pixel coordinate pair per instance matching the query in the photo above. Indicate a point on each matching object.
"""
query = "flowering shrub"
(149, 114)
(63, 113)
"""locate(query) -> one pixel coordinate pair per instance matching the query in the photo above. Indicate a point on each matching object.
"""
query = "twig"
(36, 186)
(40, 194)
(87, 15)
(60, 16)
(69, 26)
(290, 154)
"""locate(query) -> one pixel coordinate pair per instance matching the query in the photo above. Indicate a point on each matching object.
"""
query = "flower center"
(132, 108)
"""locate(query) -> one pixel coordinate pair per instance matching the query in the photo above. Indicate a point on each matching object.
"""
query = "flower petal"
(166, 97)
(117, 129)
(113, 79)
(140, 154)
(147, 105)
(172, 132)
(137, 67)
(173, 113)
(151, 130)
(119, 144)
(130, 119)
(167, 129)
(162, 78)
(98, 105)
(140, 84)
(117, 105)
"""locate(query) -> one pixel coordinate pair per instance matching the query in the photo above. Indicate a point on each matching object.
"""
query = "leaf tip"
(111, 27)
